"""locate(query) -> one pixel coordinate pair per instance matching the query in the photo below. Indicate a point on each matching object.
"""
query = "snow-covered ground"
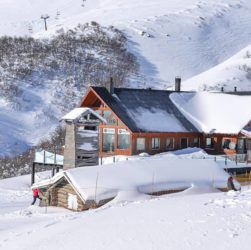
(198, 217)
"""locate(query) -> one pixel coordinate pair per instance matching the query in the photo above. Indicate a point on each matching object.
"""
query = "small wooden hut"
(82, 138)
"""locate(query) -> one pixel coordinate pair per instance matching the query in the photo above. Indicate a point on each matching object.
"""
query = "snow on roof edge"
(77, 112)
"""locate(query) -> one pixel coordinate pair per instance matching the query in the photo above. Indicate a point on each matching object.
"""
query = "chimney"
(110, 86)
(222, 89)
(235, 89)
(177, 84)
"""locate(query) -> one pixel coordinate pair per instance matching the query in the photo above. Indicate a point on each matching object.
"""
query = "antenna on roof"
(110, 86)
(177, 83)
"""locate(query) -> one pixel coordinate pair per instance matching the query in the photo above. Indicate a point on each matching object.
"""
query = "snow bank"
(214, 112)
(145, 176)
(78, 112)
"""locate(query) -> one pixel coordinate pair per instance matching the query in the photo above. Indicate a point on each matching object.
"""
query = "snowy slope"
(185, 38)
(20, 129)
(169, 38)
(234, 72)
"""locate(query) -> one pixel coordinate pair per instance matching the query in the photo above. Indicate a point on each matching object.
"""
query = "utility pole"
(45, 17)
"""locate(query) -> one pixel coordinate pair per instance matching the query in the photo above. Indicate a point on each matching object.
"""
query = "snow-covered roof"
(48, 158)
(78, 112)
(145, 110)
(246, 132)
(144, 176)
(214, 112)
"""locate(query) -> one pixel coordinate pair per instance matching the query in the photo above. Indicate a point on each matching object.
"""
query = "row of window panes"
(140, 143)
(108, 141)
(226, 143)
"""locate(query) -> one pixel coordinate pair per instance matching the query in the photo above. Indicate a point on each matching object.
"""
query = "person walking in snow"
(35, 192)
(230, 184)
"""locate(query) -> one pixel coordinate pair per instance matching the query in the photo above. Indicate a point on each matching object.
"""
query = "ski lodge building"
(155, 121)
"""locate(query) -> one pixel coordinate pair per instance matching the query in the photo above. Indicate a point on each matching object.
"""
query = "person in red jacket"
(35, 192)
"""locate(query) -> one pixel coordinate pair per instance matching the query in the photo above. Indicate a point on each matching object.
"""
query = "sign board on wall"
(123, 132)
(108, 130)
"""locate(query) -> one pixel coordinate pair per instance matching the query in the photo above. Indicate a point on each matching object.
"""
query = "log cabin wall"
(59, 196)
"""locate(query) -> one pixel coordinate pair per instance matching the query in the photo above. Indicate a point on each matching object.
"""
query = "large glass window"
(141, 144)
(107, 114)
(170, 143)
(108, 139)
(123, 139)
(228, 144)
(209, 142)
(196, 142)
(241, 146)
(155, 143)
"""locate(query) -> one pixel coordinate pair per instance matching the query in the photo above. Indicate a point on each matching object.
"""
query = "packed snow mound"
(235, 72)
(143, 177)
(214, 112)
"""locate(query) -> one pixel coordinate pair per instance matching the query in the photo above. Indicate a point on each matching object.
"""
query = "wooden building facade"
(137, 121)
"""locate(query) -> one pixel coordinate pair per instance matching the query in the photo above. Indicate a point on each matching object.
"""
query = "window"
(183, 143)
(94, 128)
(209, 142)
(107, 114)
(155, 143)
(123, 139)
(196, 142)
(241, 146)
(108, 139)
(141, 144)
(227, 143)
(170, 143)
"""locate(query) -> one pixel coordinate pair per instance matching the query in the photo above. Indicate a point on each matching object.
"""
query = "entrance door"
(183, 143)
(72, 201)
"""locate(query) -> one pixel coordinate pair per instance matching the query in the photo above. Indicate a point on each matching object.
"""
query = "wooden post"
(33, 173)
(44, 158)
(96, 187)
(152, 184)
(53, 172)
(55, 157)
